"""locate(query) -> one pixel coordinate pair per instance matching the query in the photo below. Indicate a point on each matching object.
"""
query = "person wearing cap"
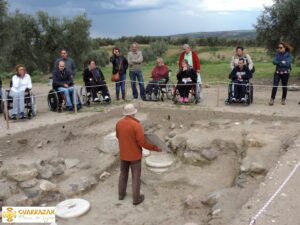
(191, 57)
(131, 138)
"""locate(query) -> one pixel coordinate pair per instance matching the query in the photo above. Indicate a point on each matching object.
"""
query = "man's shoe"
(233, 99)
(243, 100)
(96, 99)
(22, 116)
(271, 102)
(283, 101)
(122, 197)
(142, 198)
(13, 117)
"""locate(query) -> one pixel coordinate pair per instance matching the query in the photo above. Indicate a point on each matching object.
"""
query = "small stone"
(181, 126)
(8, 141)
(207, 86)
(166, 138)
(83, 166)
(47, 186)
(216, 213)
(40, 145)
(172, 134)
(23, 141)
(212, 199)
(192, 202)
(104, 176)
(58, 170)
(29, 183)
(257, 168)
(209, 154)
(173, 126)
(45, 172)
(70, 163)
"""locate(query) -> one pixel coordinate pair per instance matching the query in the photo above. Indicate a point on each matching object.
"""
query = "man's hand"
(283, 62)
(66, 85)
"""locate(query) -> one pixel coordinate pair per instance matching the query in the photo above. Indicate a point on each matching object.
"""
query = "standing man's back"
(131, 138)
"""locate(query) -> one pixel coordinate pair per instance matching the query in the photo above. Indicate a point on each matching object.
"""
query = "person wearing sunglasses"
(282, 61)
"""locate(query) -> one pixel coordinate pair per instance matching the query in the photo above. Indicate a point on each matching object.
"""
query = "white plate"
(72, 208)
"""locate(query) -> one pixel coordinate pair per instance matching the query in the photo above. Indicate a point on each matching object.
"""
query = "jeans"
(239, 89)
(137, 75)
(136, 169)
(18, 102)
(152, 86)
(67, 93)
(284, 80)
(121, 85)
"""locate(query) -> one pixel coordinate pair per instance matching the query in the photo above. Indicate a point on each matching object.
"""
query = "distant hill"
(236, 34)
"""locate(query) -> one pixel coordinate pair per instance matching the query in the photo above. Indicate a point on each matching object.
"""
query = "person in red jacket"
(159, 75)
(191, 57)
(131, 138)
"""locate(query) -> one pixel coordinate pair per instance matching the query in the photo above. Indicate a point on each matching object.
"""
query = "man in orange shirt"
(131, 138)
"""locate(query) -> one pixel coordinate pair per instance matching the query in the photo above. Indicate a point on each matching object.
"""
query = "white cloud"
(233, 5)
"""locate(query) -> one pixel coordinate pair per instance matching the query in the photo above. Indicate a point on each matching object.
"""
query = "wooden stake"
(74, 99)
(6, 114)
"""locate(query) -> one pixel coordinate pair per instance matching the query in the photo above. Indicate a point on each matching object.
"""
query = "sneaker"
(181, 100)
(106, 97)
(233, 99)
(186, 100)
(243, 100)
(142, 198)
(96, 99)
(13, 117)
(271, 102)
(283, 101)
(22, 116)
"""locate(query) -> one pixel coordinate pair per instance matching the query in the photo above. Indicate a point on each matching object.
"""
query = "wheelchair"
(30, 104)
(165, 89)
(248, 94)
(194, 94)
(86, 97)
(57, 101)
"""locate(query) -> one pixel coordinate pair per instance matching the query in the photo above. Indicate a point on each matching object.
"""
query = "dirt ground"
(239, 136)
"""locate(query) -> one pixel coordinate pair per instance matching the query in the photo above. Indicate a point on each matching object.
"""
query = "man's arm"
(140, 138)
(250, 62)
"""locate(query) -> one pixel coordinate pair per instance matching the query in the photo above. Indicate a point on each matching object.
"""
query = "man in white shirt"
(20, 83)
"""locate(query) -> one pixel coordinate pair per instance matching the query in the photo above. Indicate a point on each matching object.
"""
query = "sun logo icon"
(9, 215)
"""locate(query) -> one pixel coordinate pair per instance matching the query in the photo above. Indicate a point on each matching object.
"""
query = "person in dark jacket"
(240, 75)
(159, 76)
(186, 77)
(63, 82)
(120, 64)
(283, 60)
(94, 81)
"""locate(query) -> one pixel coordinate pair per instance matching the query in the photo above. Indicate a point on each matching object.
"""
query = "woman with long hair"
(282, 61)
(20, 83)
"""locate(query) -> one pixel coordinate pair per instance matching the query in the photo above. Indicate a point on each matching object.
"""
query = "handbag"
(116, 76)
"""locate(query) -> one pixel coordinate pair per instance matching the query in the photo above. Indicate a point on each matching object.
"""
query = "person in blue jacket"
(282, 61)
(240, 75)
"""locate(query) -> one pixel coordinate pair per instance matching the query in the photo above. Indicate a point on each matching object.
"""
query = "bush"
(148, 54)
(123, 46)
(159, 48)
(100, 56)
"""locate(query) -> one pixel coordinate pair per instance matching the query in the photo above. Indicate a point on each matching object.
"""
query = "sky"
(116, 18)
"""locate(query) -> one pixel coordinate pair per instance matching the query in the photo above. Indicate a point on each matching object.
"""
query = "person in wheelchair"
(20, 86)
(240, 76)
(159, 76)
(63, 82)
(240, 53)
(94, 81)
(186, 77)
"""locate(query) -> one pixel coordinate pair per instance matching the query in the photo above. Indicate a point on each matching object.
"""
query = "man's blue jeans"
(67, 93)
(137, 75)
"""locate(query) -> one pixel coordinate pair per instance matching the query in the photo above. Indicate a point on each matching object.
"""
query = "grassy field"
(214, 64)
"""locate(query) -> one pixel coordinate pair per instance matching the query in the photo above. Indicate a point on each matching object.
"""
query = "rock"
(178, 143)
(194, 158)
(293, 87)
(166, 138)
(216, 213)
(7, 188)
(45, 172)
(29, 183)
(173, 126)
(58, 170)
(22, 173)
(56, 161)
(110, 144)
(47, 186)
(209, 154)
(86, 183)
(23, 141)
(159, 126)
(212, 199)
(40, 145)
(181, 126)
(83, 166)
(257, 168)
(172, 134)
(104, 176)
(254, 141)
(33, 193)
(192, 202)
(207, 86)
(70, 163)
(19, 200)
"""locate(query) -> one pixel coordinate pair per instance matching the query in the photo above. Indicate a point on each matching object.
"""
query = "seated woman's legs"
(18, 104)
(187, 90)
(90, 88)
(103, 88)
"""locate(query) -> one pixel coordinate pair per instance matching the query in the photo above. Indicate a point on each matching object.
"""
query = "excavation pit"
(216, 161)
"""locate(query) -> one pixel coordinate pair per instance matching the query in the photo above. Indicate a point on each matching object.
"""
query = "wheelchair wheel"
(170, 89)
(53, 101)
(1, 106)
(32, 111)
